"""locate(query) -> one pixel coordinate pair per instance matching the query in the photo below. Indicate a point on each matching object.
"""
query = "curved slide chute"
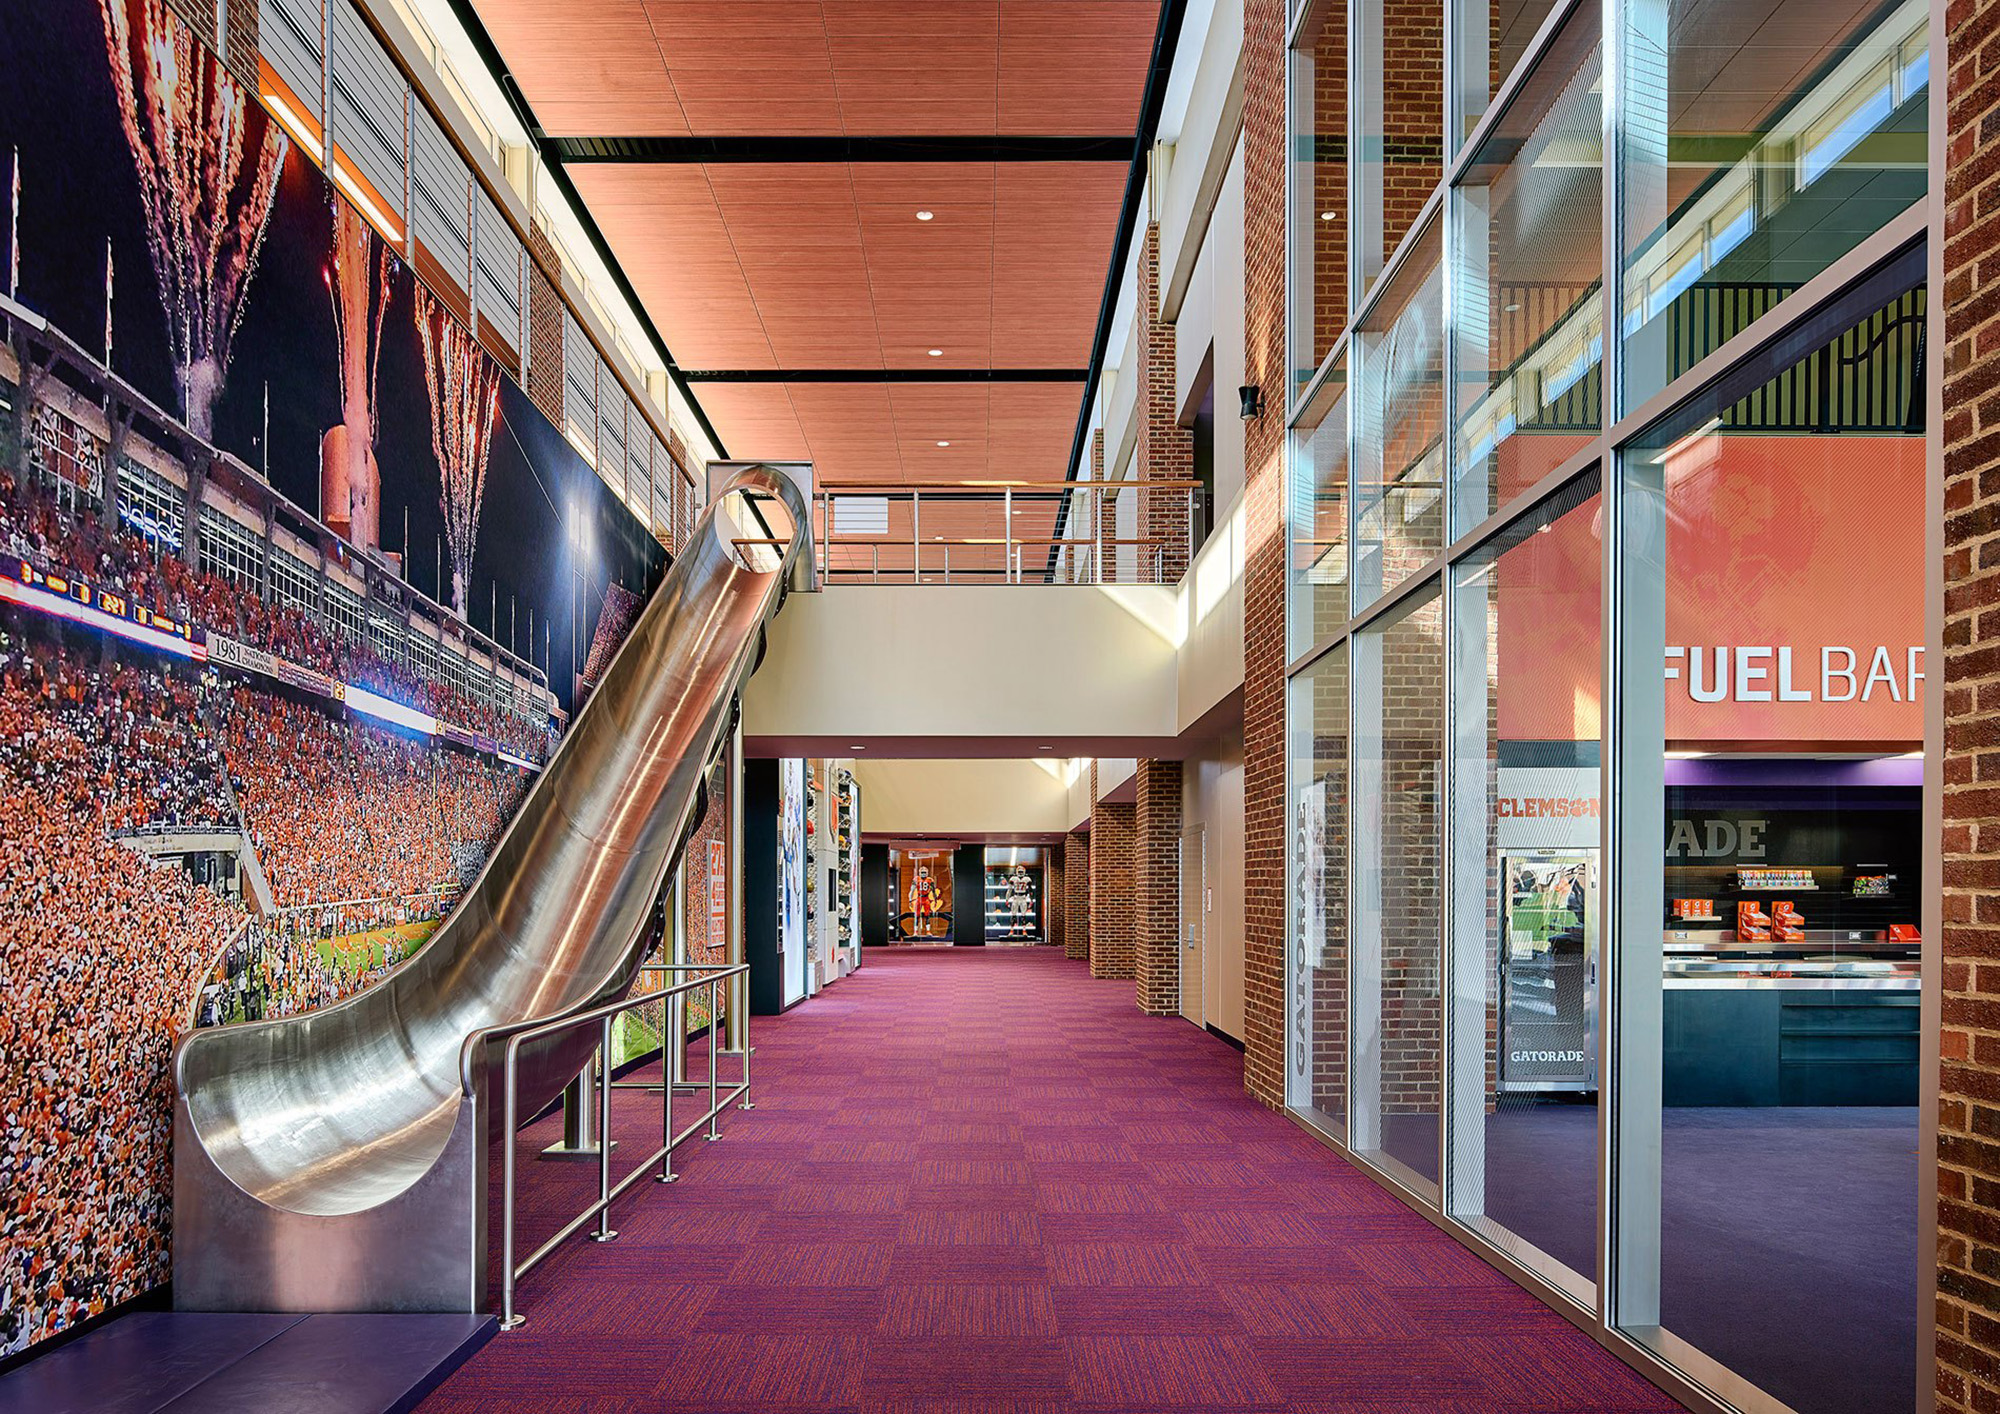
(336, 1160)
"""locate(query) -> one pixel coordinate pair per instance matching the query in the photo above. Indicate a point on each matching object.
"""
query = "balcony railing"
(1009, 532)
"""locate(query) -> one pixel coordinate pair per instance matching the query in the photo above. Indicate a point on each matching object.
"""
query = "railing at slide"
(603, 1016)
(1009, 532)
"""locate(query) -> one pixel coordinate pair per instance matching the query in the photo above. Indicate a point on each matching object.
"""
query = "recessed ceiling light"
(936, 353)
(1513, 308)
(944, 444)
(1326, 215)
(857, 748)
(923, 215)
(1045, 748)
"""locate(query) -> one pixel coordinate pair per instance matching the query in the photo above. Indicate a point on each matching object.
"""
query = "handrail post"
(916, 536)
(713, 1027)
(1192, 493)
(746, 1105)
(672, 1046)
(509, 1318)
(1007, 549)
(1096, 533)
(605, 1232)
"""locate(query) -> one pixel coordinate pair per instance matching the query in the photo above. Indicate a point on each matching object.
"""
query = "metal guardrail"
(607, 1191)
(1009, 532)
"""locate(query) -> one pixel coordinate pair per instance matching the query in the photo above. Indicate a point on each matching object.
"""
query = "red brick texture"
(1052, 895)
(1114, 831)
(1968, 1138)
(1076, 895)
(1165, 449)
(1264, 568)
(545, 329)
(1412, 152)
(1156, 859)
(1104, 516)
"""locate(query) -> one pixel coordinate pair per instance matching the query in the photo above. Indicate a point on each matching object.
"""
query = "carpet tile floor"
(980, 1182)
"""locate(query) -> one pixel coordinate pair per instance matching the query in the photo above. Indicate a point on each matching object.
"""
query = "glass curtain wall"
(1618, 975)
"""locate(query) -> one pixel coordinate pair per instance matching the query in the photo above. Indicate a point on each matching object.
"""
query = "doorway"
(1194, 922)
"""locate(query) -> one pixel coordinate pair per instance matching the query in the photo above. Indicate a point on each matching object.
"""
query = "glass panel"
(1526, 632)
(1399, 407)
(1777, 567)
(1527, 307)
(1317, 1031)
(1316, 598)
(1398, 908)
(1757, 151)
(1319, 189)
(1399, 111)
(1488, 39)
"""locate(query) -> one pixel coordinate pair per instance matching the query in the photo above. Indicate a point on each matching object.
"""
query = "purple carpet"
(979, 1182)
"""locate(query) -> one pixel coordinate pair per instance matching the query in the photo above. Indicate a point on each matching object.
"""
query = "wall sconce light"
(1251, 396)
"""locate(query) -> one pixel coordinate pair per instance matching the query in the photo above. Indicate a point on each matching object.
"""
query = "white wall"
(860, 662)
(1001, 796)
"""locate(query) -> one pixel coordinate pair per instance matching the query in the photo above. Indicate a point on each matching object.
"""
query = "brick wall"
(1968, 1140)
(1165, 449)
(545, 329)
(1264, 567)
(1076, 895)
(1322, 960)
(1403, 844)
(1328, 231)
(1114, 832)
(1412, 111)
(1157, 864)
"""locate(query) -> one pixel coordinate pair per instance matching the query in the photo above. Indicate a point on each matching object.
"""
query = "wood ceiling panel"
(1031, 428)
(755, 420)
(1053, 235)
(587, 66)
(629, 68)
(1084, 60)
(663, 225)
(766, 266)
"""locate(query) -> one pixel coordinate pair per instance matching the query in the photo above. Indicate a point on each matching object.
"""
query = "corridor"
(978, 1181)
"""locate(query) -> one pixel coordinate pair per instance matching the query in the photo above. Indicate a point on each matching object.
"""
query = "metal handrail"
(679, 1037)
(1086, 559)
(603, 1015)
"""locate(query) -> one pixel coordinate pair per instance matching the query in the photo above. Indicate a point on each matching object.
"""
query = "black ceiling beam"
(885, 375)
(489, 54)
(1165, 38)
(835, 148)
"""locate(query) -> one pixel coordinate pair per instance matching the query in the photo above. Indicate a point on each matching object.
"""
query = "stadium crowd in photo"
(298, 590)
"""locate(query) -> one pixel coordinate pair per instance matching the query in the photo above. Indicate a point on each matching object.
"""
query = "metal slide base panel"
(423, 1250)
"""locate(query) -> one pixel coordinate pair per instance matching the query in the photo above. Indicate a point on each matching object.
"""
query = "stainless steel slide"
(335, 1161)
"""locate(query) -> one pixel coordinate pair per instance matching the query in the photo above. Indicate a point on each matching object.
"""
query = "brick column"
(544, 384)
(1114, 830)
(1264, 568)
(1103, 517)
(1165, 450)
(1157, 862)
(1968, 1138)
(1052, 893)
(1076, 895)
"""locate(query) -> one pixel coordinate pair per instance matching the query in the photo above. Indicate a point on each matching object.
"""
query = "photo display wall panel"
(920, 895)
(297, 592)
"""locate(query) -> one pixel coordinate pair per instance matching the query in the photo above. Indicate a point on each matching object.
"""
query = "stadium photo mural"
(297, 592)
